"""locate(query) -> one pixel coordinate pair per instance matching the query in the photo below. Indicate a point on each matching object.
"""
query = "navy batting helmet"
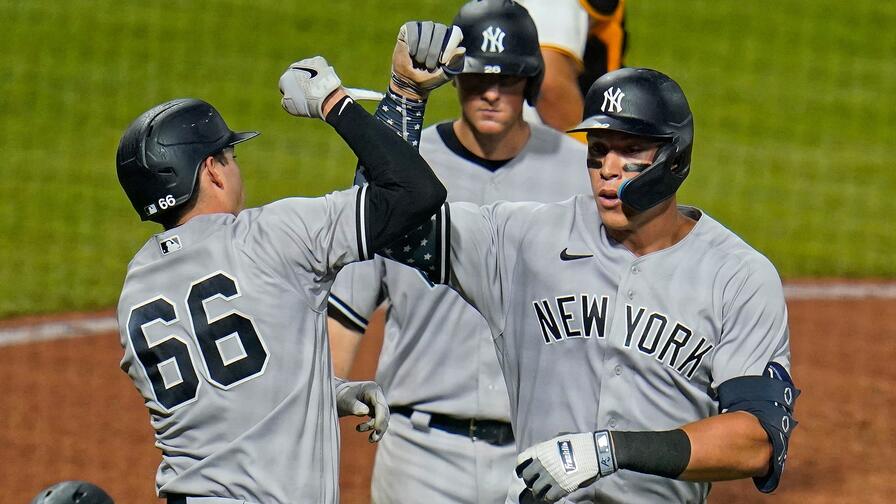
(500, 38)
(161, 151)
(647, 103)
(72, 492)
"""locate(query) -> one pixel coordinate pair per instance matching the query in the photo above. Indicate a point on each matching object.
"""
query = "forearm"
(560, 102)
(728, 446)
(724, 447)
(403, 191)
(344, 344)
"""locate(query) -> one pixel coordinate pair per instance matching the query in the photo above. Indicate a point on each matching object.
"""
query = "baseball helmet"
(647, 103)
(72, 492)
(161, 151)
(500, 38)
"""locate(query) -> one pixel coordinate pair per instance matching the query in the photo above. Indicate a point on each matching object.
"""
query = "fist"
(306, 84)
(422, 51)
(554, 468)
(364, 398)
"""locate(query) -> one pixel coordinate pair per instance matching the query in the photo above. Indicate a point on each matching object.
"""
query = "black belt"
(182, 499)
(491, 431)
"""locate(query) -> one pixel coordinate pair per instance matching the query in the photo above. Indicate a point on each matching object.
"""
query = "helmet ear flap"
(656, 183)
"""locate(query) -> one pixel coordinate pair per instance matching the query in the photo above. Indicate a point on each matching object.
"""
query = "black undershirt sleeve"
(664, 453)
(403, 191)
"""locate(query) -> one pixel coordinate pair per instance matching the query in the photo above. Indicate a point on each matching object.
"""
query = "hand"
(358, 398)
(421, 52)
(555, 468)
(306, 84)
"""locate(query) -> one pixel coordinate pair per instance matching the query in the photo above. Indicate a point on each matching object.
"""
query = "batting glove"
(306, 84)
(557, 467)
(358, 399)
(421, 52)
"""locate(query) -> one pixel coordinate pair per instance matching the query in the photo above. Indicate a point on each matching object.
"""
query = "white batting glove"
(421, 52)
(306, 84)
(557, 467)
(359, 398)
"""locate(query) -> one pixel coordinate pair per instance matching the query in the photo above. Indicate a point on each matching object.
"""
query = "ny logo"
(493, 39)
(613, 99)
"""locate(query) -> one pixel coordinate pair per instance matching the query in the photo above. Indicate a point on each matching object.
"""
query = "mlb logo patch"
(567, 457)
(169, 245)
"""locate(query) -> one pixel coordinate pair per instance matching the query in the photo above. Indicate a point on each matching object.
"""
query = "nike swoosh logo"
(344, 103)
(564, 256)
(311, 72)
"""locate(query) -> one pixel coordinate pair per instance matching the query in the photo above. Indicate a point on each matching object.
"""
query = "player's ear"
(212, 170)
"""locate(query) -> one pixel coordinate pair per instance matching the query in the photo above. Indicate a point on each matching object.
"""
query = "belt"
(182, 499)
(491, 431)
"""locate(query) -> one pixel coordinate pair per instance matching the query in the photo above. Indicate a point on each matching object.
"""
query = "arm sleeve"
(402, 190)
(402, 115)
(356, 293)
(754, 322)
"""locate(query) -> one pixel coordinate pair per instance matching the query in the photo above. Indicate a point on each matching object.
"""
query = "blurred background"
(794, 104)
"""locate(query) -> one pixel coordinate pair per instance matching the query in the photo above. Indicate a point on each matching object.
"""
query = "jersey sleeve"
(357, 292)
(562, 26)
(319, 235)
(754, 322)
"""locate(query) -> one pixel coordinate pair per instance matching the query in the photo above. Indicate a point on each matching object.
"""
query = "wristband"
(606, 456)
(664, 453)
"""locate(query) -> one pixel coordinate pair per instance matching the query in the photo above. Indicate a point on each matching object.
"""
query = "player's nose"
(612, 166)
(492, 92)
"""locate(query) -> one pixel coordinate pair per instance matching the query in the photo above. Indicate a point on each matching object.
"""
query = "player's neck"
(206, 208)
(653, 232)
(494, 147)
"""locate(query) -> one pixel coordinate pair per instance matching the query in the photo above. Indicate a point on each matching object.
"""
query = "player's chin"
(491, 124)
(614, 217)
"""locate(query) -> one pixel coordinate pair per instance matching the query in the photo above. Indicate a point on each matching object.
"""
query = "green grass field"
(794, 104)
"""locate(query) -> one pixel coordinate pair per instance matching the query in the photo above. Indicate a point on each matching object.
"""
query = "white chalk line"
(81, 326)
(811, 291)
(58, 330)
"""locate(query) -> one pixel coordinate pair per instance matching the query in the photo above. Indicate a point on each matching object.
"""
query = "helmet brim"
(505, 65)
(624, 125)
(240, 137)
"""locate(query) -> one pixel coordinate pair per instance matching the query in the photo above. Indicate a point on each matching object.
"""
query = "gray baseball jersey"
(223, 324)
(591, 336)
(437, 354)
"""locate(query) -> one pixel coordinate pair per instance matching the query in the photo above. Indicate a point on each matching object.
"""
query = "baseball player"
(644, 345)
(222, 315)
(72, 492)
(580, 41)
(450, 438)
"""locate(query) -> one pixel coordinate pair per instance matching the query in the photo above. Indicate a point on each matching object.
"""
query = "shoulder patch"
(169, 245)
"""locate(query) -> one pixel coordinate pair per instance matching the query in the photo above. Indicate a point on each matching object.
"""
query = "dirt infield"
(68, 412)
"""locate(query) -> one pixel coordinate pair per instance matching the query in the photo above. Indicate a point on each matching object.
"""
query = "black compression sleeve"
(403, 191)
(661, 453)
